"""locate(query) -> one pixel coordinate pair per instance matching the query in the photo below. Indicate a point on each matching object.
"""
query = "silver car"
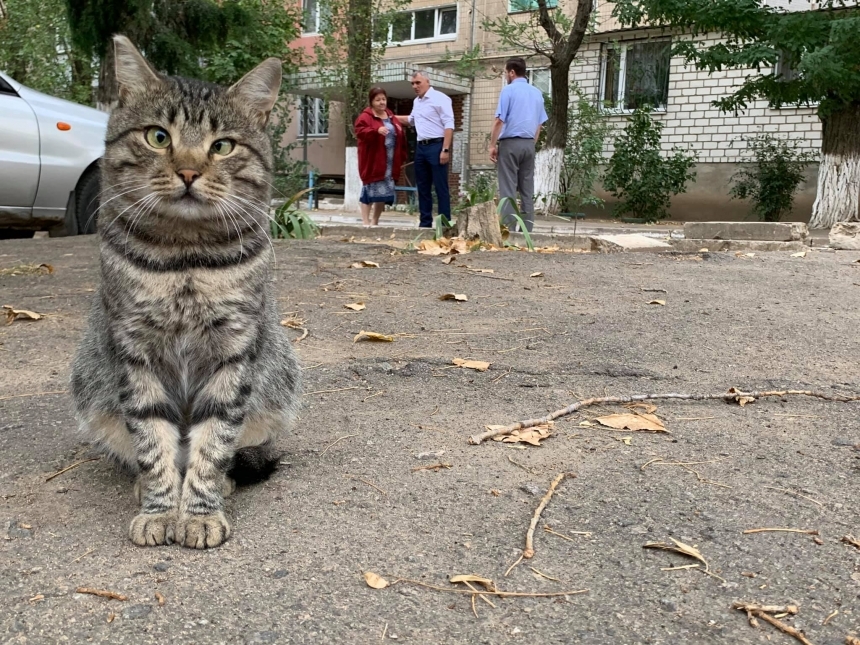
(49, 153)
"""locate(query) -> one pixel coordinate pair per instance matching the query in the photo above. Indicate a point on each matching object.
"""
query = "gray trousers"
(516, 171)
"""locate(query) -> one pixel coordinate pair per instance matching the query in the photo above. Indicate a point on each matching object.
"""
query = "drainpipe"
(467, 147)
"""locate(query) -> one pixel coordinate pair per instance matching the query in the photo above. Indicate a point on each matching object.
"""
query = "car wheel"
(87, 203)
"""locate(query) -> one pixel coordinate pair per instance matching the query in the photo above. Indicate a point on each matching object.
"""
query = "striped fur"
(184, 374)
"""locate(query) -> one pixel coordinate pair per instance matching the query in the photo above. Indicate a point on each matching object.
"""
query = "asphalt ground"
(348, 499)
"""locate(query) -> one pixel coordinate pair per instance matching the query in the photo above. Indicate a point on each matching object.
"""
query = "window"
(516, 6)
(424, 24)
(635, 74)
(785, 69)
(317, 114)
(314, 16)
(540, 78)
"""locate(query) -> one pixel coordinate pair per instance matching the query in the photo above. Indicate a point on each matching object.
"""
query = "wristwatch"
(445, 150)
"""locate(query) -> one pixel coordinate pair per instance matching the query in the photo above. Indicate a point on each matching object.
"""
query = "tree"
(216, 41)
(551, 33)
(821, 48)
(353, 39)
(36, 49)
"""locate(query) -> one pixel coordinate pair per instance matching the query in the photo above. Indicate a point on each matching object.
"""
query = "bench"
(328, 185)
(411, 193)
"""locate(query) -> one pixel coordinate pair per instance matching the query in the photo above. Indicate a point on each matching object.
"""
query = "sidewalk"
(344, 221)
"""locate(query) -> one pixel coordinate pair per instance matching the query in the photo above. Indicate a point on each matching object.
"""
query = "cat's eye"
(157, 137)
(223, 147)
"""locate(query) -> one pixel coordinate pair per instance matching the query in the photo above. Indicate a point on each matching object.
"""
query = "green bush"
(289, 222)
(480, 190)
(773, 176)
(639, 176)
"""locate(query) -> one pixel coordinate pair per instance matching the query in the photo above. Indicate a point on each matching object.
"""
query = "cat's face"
(187, 149)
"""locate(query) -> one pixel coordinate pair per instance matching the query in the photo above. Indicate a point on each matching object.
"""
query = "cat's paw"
(202, 531)
(153, 529)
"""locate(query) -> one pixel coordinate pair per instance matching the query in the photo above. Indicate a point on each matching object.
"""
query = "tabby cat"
(184, 374)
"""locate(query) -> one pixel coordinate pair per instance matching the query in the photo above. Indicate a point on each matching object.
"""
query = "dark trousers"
(429, 172)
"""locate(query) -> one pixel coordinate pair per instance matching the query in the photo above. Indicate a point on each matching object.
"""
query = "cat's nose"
(188, 176)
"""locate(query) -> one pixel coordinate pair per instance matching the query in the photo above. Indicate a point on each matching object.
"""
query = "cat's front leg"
(152, 419)
(219, 414)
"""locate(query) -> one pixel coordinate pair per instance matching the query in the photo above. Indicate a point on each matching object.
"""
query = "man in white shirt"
(433, 119)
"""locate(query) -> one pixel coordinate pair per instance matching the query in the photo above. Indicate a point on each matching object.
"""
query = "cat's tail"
(254, 464)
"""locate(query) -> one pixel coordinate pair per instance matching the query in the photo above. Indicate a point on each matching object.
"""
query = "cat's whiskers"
(101, 206)
(132, 205)
(227, 200)
(149, 201)
(230, 214)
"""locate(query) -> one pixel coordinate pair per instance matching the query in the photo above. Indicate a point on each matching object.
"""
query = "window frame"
(318, 105)
(533, 6)
(437, 26)
(624, 46)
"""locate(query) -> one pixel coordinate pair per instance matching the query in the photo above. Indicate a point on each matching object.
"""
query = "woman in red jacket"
(381, 149)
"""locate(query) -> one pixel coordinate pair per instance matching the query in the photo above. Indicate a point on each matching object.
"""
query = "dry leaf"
(531, 436)
(460, 297)
(13, 314)
(372, 335)
(536, 274)
(703, 250)
(431, 247)
(679, 547)
(25, 269)
(649, 408)
(364, 264)
(486, 583)
(740, 400)
(586, 424)
(356, 306)
(799, 254)
(626, 440)
(374, 580)
(635, 422)
(480, 366)
(657, 302)
(448, 260)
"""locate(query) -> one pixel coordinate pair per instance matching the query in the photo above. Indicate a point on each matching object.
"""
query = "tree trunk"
(481, 222)
(107, 92)
(352, 182)
(359, 62)
(549, 163)
(838, 198)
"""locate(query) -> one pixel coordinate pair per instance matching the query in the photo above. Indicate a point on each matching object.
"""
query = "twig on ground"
(727, 396)
(340, 389)
(757, 611)
(82, 556)
(435, 467)
(678, 568)
(500, 377)
(68, 468)
(486, 600)
(513, 566)
(686, 466)
(159, 597)
(101, 593)
(850, 539)
(371, 484)
(346, 436)
(373, 395)
(21, 396)
(510, 459)
(500, 594)
(569, 539)
(831, 615)
(791, 492)
(384, 632)
(543, 575)
(767, 530)
(529, 551)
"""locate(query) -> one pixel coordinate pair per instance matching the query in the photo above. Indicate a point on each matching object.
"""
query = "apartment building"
(618, 68)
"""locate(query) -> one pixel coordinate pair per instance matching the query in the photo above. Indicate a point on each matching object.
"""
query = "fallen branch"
(759, 611)
(435, 467)
(346, 436)
(804, 531)
(734, 395)
(500, 594)
(565, 537)
(68, 468)
(529, 551)
(101, 593)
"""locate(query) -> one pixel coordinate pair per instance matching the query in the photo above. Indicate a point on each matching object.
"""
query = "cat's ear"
(258, 89)
(133, 73)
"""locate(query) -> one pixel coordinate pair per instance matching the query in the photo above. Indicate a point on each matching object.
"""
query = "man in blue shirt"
(519, 118)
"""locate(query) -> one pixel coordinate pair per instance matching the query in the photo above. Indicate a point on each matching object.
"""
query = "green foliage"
(773, 177)
(583, 154)
(36, 50)
(639, 176)
(480, 190)
(290, 222)
(821, 46)
(509, 201)
(470, 63)
(440, 227)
